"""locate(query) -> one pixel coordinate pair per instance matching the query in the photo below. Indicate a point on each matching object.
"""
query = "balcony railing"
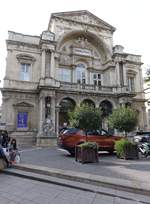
(92, 88)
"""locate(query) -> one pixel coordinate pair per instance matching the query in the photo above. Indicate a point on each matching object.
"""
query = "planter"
(131, 151)
(86, 155)
(126, 150)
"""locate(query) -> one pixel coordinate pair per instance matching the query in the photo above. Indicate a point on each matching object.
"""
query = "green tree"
(86, 117)
(147, 77)
(123, 119)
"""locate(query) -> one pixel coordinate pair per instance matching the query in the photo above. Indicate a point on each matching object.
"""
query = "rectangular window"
(131, 84)
(25, 72)
(22, 120)
(64, 74)
(97, 79)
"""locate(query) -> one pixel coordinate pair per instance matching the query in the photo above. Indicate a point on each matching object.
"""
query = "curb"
(113, 183)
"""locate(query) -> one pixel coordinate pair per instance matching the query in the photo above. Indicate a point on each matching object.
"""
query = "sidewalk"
(126, 175)
(109, 166)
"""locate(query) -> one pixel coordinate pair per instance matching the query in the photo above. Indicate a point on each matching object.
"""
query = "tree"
(86, 117)
(147, 77)
(123, 119)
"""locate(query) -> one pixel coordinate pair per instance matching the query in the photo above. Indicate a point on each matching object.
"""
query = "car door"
(108, 139)
(96, 136)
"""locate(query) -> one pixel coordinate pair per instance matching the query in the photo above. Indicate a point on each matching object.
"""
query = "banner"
(22, 120)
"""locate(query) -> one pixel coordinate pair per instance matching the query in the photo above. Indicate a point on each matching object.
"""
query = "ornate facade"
(72, 62)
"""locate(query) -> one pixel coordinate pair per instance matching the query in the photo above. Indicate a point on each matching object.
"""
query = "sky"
(129, 17)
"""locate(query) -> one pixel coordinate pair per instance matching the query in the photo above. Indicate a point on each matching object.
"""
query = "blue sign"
(22, 121)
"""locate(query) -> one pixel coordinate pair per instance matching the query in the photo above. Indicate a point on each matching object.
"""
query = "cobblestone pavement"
(16, 190)
(108, 165)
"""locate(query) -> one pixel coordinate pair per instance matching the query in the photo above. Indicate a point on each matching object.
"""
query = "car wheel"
(72, 153)
(111, 152)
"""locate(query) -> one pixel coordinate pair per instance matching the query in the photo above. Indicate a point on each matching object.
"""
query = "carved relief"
(65, 60)
(81, 42)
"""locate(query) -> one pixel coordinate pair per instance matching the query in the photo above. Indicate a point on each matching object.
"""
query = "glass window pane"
(25, 72)
(64, 74)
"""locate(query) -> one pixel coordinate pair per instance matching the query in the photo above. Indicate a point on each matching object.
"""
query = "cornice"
(11, 42)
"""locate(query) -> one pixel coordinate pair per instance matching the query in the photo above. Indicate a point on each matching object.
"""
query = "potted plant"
(124, 119)
(87, 152)
(126, 149)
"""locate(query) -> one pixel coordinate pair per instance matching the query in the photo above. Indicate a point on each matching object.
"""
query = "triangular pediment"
(23, 104)
(83, 16)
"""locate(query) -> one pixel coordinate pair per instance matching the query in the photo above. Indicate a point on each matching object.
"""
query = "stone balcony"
(92, 89)
(65, 86)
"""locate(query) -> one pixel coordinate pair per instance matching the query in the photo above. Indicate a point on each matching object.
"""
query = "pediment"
(84, 16)
(23, 104)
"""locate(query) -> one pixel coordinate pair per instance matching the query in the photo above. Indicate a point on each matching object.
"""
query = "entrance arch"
(106, 107)
(66, 105)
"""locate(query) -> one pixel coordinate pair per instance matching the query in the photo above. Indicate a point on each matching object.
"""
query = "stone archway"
(106, 107)
(66, 105)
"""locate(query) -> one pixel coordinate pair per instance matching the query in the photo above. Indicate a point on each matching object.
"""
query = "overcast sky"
(129, 17)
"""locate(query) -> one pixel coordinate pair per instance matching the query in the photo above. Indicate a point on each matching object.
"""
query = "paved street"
(16, 190)
(137, 170)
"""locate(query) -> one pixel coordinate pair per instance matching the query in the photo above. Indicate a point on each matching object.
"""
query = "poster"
(22, 120)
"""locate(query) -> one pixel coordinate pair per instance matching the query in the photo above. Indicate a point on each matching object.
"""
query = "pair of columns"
(51, 64)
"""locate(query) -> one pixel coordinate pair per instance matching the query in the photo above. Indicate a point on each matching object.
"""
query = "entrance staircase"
(24, 138)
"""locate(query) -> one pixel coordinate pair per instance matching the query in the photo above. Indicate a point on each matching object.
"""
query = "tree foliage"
(86, 117)
(123, 119)
(147, 77)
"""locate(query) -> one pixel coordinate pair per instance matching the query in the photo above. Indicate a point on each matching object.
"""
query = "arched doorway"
(106, 108)
(66, 105)
(88, 102)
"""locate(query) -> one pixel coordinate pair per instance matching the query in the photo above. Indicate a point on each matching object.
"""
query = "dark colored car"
(142, 136)
(71, 137)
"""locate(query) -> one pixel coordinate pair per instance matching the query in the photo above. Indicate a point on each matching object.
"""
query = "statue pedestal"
(46, 141)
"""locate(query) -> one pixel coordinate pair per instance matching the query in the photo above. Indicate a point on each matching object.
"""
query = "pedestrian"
(13, 150)
(3, 156)
(4, 138)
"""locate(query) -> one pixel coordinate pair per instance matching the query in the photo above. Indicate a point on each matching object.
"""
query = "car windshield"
(98, 132)
(70, 131)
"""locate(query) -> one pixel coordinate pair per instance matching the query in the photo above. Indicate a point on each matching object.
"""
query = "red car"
(70, 137)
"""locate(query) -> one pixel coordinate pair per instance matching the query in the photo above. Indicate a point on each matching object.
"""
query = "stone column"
(117, 74)
(53, 112)
(52, 66)
(125, 74)
(57, 119)
(41, 114)
(43, 64)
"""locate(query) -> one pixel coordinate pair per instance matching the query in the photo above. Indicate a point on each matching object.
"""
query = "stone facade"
(72, 62)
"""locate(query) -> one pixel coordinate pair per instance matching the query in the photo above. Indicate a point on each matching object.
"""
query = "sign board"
(22, 120)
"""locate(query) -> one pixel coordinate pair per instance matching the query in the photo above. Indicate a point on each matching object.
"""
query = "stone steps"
(24, 138)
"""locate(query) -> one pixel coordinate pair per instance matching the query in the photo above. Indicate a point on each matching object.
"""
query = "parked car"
(142, 136)
(71, 137)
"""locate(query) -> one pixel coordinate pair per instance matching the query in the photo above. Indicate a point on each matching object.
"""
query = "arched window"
(81, 74)
(66, 105)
